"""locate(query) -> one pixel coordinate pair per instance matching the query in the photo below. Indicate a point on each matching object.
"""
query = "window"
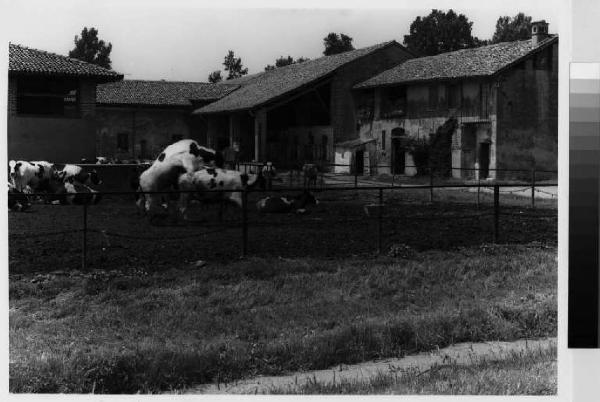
(383, 140)
(393, 101)
(433, 97)
(454, 97)
(123, 142)
(47, 97)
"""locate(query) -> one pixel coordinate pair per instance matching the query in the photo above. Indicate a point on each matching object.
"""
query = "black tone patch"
(244, 178)
(161, 157)
(194, 150)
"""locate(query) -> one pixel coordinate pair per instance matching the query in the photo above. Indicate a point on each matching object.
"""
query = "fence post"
(84, 239)
(379, 222)
(533, 188)
(244, 223)
(430, 183)
(478, 192)
(496, 212)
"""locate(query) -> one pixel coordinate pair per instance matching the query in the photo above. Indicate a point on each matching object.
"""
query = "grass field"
(136, 329)
(531, 372)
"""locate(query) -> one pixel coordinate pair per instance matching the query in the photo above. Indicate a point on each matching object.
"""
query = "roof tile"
(480, 61)
(260, 88)
(24, 60)
(160, 93)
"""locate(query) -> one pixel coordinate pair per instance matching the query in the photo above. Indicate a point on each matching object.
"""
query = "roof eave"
(541, 47)
(101, 79)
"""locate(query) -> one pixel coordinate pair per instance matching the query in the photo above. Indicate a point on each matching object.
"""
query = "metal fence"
(361, 219)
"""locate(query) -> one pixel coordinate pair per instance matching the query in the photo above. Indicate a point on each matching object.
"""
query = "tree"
(440, 32)
(90, 49)
(234, 66)
(335, 43)
(510, 29)
(215, 77)
(285, 61)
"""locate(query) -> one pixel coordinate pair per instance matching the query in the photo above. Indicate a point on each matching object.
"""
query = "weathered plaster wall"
(528, 116)
(154, 126)
(343, 106)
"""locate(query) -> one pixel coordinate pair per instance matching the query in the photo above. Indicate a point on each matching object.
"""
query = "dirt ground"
(49, 237)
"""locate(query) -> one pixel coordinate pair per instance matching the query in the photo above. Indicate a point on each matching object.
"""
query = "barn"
(52, 105)
(296, 113)
(501, 98)
(136, 119)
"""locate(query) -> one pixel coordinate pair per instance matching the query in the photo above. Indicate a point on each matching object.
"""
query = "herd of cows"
(183, 172)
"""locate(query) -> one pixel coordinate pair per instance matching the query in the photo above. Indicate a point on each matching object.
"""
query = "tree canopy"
(510, 29)
(234, 66)
(215, 77)
(91, 49)
(440, 32)
(335, 43)
(285, 61)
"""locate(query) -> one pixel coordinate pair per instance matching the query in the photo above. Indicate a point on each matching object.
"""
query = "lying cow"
(204, 182)
(184, 156)
(17, 200)
(76, 174)
(68, 193)
(284, 204)
(311, 172)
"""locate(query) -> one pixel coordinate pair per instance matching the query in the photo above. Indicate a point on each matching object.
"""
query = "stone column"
(260, 135)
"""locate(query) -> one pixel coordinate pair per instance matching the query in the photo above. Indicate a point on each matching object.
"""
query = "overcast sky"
(185, 41)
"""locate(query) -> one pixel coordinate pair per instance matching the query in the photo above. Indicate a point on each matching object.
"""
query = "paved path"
(461, 353)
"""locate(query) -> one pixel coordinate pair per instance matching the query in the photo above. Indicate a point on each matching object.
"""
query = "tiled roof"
(475, 62)
(23, 60)
(160, 93)
(263, 87)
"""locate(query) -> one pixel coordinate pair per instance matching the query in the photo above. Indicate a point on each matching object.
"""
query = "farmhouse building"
(500, 102)
(138, 119)
(298, 112)
(42, 122)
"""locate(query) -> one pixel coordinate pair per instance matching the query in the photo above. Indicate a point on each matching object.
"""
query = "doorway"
(398, 156)
(484, 160)
(359, 162)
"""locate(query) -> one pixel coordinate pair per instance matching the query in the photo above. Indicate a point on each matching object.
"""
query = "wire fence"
(348, 220)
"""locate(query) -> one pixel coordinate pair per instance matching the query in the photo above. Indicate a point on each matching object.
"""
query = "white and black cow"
(17, 200)
(26, 176)
(68, 193)
(184, 156)
(214, 186)
(76, 174)
(285, 204)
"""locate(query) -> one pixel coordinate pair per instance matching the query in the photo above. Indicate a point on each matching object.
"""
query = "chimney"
(539, 32)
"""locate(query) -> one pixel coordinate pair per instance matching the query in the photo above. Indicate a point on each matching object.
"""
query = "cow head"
(40, 172)
(94, 178)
